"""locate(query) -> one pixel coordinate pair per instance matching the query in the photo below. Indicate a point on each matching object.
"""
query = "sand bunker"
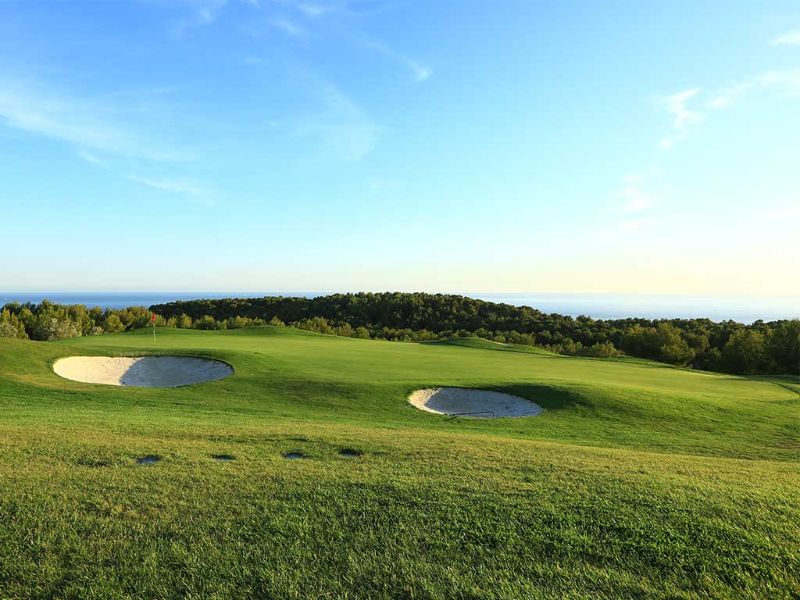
(473, 403)
(143, 371)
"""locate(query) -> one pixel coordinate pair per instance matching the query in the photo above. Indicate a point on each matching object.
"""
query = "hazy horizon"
(745, 309)
(225, 144)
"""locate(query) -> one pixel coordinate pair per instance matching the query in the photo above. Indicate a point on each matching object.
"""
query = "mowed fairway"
(638, 480)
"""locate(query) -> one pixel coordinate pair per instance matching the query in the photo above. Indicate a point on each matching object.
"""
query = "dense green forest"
(759, 348)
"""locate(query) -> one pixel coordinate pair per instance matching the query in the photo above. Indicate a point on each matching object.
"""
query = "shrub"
(52, 328)
(113, 324)
(11, 326)
(206, 322)
(602, 350)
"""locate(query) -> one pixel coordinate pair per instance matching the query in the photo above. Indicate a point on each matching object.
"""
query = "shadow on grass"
(482, 344)
(551, 398)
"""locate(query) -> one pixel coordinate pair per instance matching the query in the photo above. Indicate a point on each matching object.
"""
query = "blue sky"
(332, 145)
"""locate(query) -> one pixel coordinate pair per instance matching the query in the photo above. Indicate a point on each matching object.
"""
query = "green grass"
(639, 480)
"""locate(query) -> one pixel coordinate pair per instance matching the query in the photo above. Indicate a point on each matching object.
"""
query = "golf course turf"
(637, 480)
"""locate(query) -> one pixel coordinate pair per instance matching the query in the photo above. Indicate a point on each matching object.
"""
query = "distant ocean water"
(744, 309)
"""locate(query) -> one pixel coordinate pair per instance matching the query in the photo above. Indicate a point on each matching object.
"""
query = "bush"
(52, 328)
(345, 330)
(604, 350)
(11, 326)
(113, 324)
(206, 322)
(238, 322)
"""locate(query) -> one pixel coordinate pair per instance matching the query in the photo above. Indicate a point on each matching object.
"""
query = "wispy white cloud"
(290, 28)
(419, 71)
(207, 12)
(315, 10)
(202, 13)
(83, 123)
(177, 186)
(254, 60)
(677, 105)
(635, 200)
(92, 159)
(341, 126)
(726, 97)
(785, 81)
(635, 195)
(790, 38)
(95, 130)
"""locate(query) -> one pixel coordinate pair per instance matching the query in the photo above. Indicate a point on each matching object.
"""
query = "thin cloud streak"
(77, 122)
(633, 194)
(419, 71)
(728, 96)
(676, 105)
(314, 10)
(790, 38)
(96, 140)
(786, 81)
(176, 186)
(342, 126)
(682, 117)
(92, 159)
(206, 12)
(635, 199)
(290, 28)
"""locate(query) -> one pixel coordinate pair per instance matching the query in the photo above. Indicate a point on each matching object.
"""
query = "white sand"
(473, 403)
(144, 371)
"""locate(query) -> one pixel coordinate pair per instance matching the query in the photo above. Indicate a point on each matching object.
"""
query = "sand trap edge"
(473, 403)
(224, 370)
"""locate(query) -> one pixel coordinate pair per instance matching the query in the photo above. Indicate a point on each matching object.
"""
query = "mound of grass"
(638, 480)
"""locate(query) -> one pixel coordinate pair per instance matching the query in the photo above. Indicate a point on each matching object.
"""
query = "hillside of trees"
(759, 348)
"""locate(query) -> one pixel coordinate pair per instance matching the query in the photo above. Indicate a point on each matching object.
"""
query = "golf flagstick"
(153, 321)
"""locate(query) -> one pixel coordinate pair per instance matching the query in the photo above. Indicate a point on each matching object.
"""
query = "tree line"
(728, 346)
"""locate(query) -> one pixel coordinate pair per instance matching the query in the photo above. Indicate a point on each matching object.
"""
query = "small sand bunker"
(143, 371)
(473, 403)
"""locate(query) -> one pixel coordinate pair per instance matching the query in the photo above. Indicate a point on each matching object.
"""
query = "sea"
(744, 309)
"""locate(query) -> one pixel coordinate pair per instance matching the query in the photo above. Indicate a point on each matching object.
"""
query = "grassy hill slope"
(638, 480)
